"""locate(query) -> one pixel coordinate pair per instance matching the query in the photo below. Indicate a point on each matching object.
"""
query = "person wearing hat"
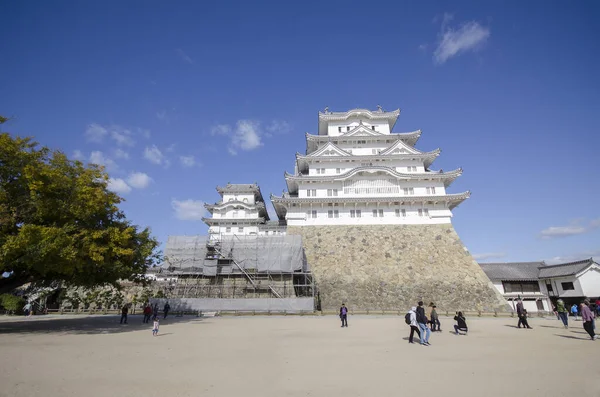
(588, 319)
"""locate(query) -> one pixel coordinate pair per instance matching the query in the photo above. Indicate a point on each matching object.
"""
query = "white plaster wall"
(330, 165)
(299, 216)
(419, 187)
(556, 284)
(249, 198)
(590, 282)
(499, 286)
(381, 126)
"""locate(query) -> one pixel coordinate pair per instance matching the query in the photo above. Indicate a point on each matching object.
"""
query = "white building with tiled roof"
(241, 211)
(540, 285)
(356, 171)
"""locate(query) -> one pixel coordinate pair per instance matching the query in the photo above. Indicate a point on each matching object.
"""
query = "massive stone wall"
(393, 267)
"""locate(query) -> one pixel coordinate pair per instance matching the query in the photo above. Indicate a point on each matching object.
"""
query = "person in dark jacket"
(344, 315)
(166, 309)
(435, 320)
(522, 313)
(124, 312)
(422, 322)
(461, 324)
(588, 319)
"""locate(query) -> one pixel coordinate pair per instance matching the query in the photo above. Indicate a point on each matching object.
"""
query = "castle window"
(314, 214)
(408, 191)
(339, 129)
(430, 190)
(336, 214)
(227, 229)
(240, 230)
(330, 214)
(373, 127)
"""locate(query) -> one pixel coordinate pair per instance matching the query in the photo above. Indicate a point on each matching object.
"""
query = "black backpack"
(407, 318)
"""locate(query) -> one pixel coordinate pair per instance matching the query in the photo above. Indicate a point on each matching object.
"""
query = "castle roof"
(512, 271)
(326, 117)
(566, 269)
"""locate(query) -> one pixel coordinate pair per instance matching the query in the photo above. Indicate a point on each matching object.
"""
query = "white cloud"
(470, 36)
(279, 127)
(220, 129)
(171, 148)
(97, 157)
(187, 161)
(576, 257)
(488, 255)
(189, 210)
(184, 57)
(139, 180)
(154, 155)
(78, 155)
(247, 135)
(161, 115)
(118, 185)
(121, 154)
(122, 136)
(575, 228)
(95, 133)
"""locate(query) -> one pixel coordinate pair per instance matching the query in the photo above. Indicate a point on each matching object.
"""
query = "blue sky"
(178, 98)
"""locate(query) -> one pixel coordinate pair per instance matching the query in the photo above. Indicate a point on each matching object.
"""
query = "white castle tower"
(357, 172)
(241, 211)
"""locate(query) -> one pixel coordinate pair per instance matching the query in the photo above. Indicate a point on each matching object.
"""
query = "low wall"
(219, 304)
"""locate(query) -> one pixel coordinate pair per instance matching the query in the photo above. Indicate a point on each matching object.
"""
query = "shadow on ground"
(571, 337)
(86, 325)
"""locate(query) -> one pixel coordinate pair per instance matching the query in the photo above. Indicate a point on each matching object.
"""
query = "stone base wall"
(393, 267)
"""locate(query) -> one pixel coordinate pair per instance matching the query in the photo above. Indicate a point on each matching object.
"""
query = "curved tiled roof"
(509, 271)
(565, 269)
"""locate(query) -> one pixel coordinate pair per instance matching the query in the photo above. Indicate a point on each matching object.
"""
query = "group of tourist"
(588, 311)
(421, 322)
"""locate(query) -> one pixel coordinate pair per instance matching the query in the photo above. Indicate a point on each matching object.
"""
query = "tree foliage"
(12, 303)
(59, 221)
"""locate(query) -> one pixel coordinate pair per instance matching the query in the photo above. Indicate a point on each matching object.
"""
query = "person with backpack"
(461, 324)
(574, 311)
(411, 319)
(422, 322)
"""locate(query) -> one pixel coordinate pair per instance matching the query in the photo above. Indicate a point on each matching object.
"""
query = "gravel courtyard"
(292, 356)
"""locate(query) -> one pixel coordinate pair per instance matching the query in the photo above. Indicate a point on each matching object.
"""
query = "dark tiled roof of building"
(565, 269)
(512, 270)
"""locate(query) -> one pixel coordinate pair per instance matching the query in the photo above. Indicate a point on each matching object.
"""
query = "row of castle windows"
(348, 128)
(408, 191)
(358, 213)
(323, 171)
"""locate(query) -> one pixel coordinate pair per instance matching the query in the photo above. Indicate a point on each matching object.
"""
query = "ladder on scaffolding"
(248, 276)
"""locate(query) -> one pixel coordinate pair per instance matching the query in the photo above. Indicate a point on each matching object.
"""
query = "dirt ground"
(292, 356)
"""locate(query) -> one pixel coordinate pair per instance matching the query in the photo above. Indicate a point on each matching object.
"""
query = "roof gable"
(329, 149)
(400, 147)
(362, 130)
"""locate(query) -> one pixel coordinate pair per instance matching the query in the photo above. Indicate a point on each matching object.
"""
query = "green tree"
(12, 303)
(59, 221)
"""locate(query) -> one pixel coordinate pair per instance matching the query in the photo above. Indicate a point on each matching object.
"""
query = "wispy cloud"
(155, 156)
(248, 135)
(161, 115)
(188, 210)
(184, 57)
(139, 180)
(469, 36)
(97, 157)
(576, 227)
(95, 133)
(575, 257)
(122, 136)
(118, 185)
(187, 161)
(488, 255)
(423, 47)
(78, 155)
(121, 154)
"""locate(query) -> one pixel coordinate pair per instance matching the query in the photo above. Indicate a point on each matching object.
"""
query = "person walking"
(574, 311)
(124, 312)
(155, 311)
(522, 313)
(588, 319)
(147, 313)
(598, 306)
(344, 315)
(435, 320)
(166, 309)
(422, 322)
(27, 309)
(411, 320)
(155, 326)
(562, 312)
(461, 324)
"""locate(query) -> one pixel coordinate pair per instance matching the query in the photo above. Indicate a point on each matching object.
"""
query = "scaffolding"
(236, 267)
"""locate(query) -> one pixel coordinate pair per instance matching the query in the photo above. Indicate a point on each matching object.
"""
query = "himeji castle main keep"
(374, 219)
